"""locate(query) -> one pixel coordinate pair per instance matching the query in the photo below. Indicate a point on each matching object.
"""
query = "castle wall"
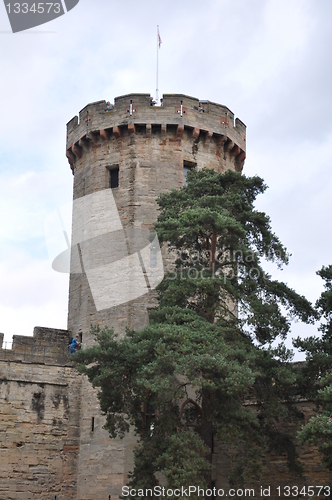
(275, 472)
(40, 415)
(104, 463)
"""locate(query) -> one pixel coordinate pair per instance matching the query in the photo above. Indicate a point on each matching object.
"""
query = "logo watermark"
(188, 491)
(213, 492)
(120, 263)
(27, 14)
(226, 265)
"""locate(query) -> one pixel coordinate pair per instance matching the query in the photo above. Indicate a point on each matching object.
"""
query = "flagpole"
(157, 89)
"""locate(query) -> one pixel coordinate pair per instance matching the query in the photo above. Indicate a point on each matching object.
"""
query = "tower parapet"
(204, 120)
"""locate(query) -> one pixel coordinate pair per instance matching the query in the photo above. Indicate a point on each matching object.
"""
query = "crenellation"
(72, 124)
(240, 126)
(90, 111)
(50, 334)
(47, 346)
(174, 101)
(121, 103)
(134, 110)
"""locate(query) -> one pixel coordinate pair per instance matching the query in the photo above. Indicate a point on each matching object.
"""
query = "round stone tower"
(122, 159)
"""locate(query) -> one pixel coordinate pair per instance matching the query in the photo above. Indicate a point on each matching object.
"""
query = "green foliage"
(317, 375)
(219, 240)
(161, 365)
(203, 370)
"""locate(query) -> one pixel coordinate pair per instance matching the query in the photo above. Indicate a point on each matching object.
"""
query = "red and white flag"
(159, 39)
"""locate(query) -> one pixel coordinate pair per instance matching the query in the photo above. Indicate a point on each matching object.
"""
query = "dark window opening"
(140, 129)
(149, 415)
(187, 166)
(172, 129)
(92, 424)
(114, 178)
(156, 129)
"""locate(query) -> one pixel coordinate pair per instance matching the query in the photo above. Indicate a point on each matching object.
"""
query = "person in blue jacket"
(72, 346)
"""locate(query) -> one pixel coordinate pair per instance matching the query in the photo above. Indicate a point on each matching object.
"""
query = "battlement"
(133, 111)
(47, 346)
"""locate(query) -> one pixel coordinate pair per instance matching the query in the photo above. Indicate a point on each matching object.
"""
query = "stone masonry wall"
(275, 472)
(39, 419)
(104, 463)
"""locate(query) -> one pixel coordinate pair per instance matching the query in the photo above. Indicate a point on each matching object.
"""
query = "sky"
(268, 61)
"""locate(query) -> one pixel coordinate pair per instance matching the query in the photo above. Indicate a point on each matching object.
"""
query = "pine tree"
(317, 375)
(204, 370)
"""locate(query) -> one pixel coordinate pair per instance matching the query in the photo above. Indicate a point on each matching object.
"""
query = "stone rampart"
(40, 401)
(46, 346)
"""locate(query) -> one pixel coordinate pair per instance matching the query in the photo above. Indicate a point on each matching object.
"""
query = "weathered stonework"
(275, 472)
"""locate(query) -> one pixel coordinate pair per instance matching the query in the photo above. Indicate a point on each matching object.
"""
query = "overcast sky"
(269, 61)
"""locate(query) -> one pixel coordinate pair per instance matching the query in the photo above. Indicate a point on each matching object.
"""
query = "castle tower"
(122, 159)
